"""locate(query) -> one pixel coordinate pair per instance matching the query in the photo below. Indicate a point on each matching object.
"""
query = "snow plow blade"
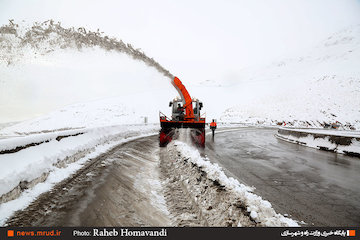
(168, 131)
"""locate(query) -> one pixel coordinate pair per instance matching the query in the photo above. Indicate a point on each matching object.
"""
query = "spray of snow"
(48, 36)
(46, 67)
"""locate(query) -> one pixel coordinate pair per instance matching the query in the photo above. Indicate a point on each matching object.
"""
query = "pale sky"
(200, 40)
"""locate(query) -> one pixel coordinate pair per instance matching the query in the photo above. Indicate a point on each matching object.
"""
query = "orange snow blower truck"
(185, 114)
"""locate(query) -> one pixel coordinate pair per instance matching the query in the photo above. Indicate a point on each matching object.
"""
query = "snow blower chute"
(185, 114)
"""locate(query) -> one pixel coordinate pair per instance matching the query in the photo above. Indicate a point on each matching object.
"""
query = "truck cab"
(178, 110)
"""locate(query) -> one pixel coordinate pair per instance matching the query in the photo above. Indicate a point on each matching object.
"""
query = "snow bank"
(30, 163)
(260, 210)
(57, 174)
(346, 142)
(329, 132)
(14, 142)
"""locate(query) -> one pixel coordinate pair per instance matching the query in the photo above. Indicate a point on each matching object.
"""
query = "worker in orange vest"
(213, 127)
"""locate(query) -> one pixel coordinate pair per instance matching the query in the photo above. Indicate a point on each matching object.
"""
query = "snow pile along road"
(12, 144)
(346, 142)
(23, 170)
(222, 200)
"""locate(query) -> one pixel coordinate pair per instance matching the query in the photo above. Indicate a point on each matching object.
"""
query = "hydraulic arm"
(186, 99)
(185, 116)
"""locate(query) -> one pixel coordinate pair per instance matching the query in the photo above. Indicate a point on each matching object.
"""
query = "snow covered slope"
(100, 113)
(320, 86)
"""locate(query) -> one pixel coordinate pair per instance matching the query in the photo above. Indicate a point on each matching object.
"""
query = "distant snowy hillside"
(321, 86)
(100, 113)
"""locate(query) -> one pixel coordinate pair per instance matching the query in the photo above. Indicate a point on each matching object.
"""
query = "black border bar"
(198, 233)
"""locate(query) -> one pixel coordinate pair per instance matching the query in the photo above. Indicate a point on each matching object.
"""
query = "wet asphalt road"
(318, 187)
